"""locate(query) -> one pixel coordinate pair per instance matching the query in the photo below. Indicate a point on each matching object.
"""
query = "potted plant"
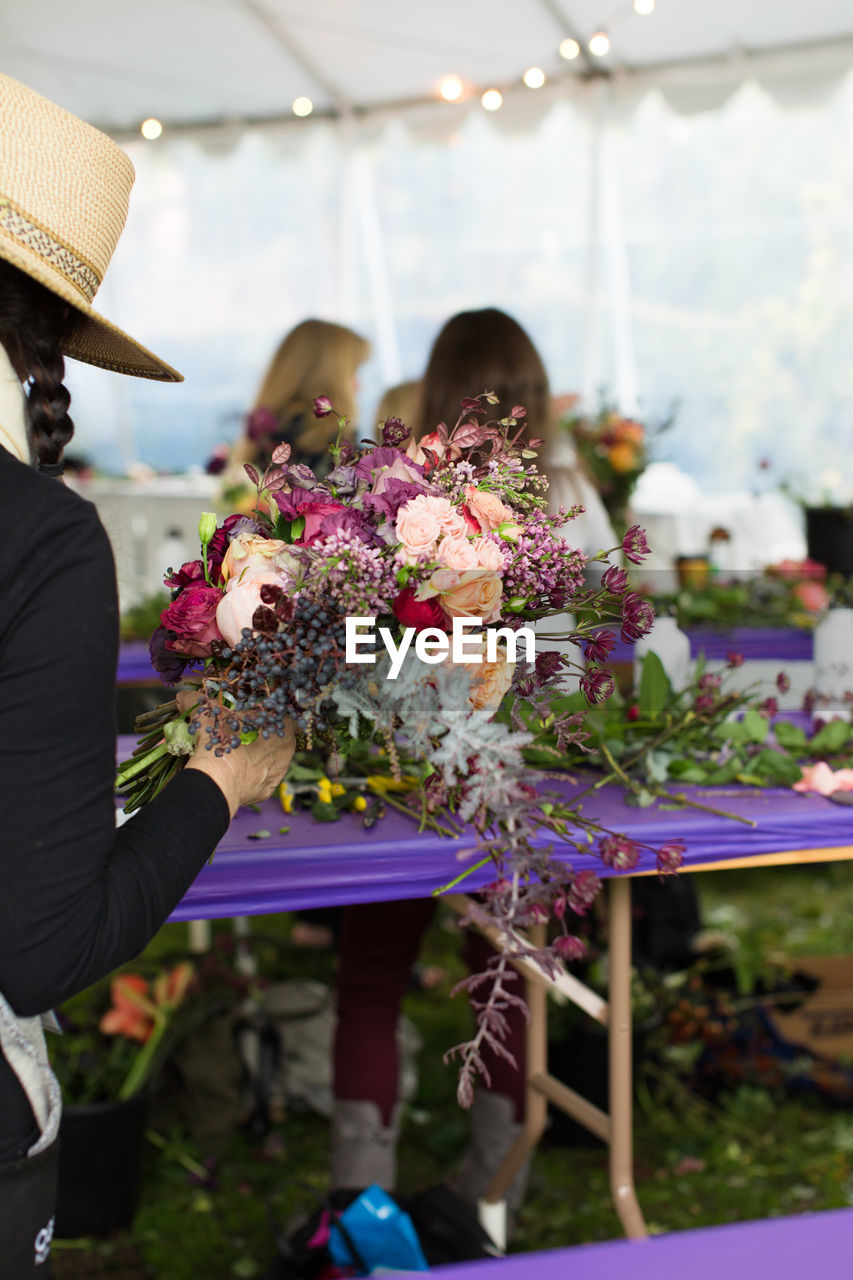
(104, 1060)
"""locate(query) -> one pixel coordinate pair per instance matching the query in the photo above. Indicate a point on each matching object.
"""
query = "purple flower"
(168, 664)
(783, 682)
(614, 580)
(192, 571)
(620, 852)
(394, 494)
(351, 522)
(634, 544)
(734, 659)
(638, 615)
(596, 684)
(394, 432)
(261, 423)
(704, 702)
(768, 708)
(584, 889)
(670, 857)
(710, 682)
(384, 456)
(599, 646)
(569, 948)
(322, 406)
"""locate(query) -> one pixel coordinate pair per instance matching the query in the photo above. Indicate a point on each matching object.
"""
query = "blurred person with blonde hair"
(316, 358)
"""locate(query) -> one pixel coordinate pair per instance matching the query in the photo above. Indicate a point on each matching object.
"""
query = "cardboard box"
(823, 1022)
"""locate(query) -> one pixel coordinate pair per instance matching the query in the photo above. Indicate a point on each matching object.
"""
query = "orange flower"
(132, 1015)
(170, 988)
(622, 457)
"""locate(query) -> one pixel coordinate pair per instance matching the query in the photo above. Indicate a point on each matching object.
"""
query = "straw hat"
(64, 188)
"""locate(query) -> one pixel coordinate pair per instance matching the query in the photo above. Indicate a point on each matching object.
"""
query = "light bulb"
(451, 89)
(534, 77)
(599, 44)
(302, 106)
(569, 49)
(492, 100)
(151, 129)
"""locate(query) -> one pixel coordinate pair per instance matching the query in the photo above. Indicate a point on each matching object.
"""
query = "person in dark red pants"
(379, 943)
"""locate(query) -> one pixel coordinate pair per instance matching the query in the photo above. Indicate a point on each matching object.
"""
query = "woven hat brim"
(91, 338)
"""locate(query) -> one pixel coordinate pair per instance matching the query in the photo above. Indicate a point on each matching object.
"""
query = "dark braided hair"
(33, 323)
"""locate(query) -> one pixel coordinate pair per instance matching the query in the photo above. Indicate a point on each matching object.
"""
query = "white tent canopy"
(199, 62)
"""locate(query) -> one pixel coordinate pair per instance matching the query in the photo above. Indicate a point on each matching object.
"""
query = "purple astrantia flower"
(596, 684)
(599, 646)
(569, 948)
(614, 579)
(394, 432)
(394, 494)
(768, 708)
(169, 665)
(704, 702)
(322, 407)
(634, 544)
(783, 682)
(710, 682)
(620, 853)
(583, 891)
(670, 857)
(638, 615)
(734, 660)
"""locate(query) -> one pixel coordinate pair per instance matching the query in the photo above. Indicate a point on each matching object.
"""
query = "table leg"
(621, 1076)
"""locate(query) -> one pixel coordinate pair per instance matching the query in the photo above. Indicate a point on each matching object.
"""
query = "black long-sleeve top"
(77, 896)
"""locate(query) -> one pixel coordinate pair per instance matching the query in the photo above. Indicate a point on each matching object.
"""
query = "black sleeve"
(77, 896)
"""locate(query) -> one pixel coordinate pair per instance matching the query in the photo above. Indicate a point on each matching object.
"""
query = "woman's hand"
(246, 775)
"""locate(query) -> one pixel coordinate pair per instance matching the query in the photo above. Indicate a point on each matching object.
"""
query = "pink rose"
(458, 553)
(417, 528)
(249, 548)
(242, 597)
(811, 595)
(474, 593)
(315, 513)
(487, 508)
(192, 617)
(489, 555)
(450, 519)
(417, 613)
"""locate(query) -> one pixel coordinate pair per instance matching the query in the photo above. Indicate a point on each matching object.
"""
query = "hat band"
(20, 228)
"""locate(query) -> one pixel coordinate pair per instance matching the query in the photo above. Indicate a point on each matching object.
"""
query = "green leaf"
(655, 688)
(297, 528)
(751, 728)
(831, 738)
(776, 767)
(789, 736)
(324, 812)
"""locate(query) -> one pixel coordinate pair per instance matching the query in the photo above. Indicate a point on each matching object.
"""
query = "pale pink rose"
(242, 597)
(811, 595)
(249, 547)
(399, 470)
(450, 519)
(487, 508)
(488, 554)
(474, 593)
(417, 528)
(489, 680)
(457, 553)
(819, 777)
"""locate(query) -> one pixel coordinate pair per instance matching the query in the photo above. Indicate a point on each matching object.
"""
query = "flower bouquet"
(388, 611)
(615, 451)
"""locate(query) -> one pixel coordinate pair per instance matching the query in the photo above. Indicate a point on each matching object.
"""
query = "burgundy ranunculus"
(419, 614)
(168, 664)
(192, 617)
(192, 571)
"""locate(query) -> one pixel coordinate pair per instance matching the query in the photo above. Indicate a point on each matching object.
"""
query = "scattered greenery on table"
(700, 734)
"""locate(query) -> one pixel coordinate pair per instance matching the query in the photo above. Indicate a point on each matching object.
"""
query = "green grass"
(749, 1154)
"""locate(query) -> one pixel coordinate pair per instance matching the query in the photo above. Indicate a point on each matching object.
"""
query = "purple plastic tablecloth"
(328, 864)
(757, 644)
(815, 1244)
(134, 665)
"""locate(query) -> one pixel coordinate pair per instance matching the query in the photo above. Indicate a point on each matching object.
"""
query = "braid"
(33, 322)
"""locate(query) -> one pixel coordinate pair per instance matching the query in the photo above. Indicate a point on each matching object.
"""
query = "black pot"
(100, 1167)
(829, 537)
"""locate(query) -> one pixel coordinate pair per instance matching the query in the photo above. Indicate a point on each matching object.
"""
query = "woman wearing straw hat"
(77, 897)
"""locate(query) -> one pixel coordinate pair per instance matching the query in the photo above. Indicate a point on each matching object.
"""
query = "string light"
(599, 44)
(569, 49)
(534, 77)
(302, 106)
(492, 100)
(451, 88)
(151, 129)
(644, 6)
